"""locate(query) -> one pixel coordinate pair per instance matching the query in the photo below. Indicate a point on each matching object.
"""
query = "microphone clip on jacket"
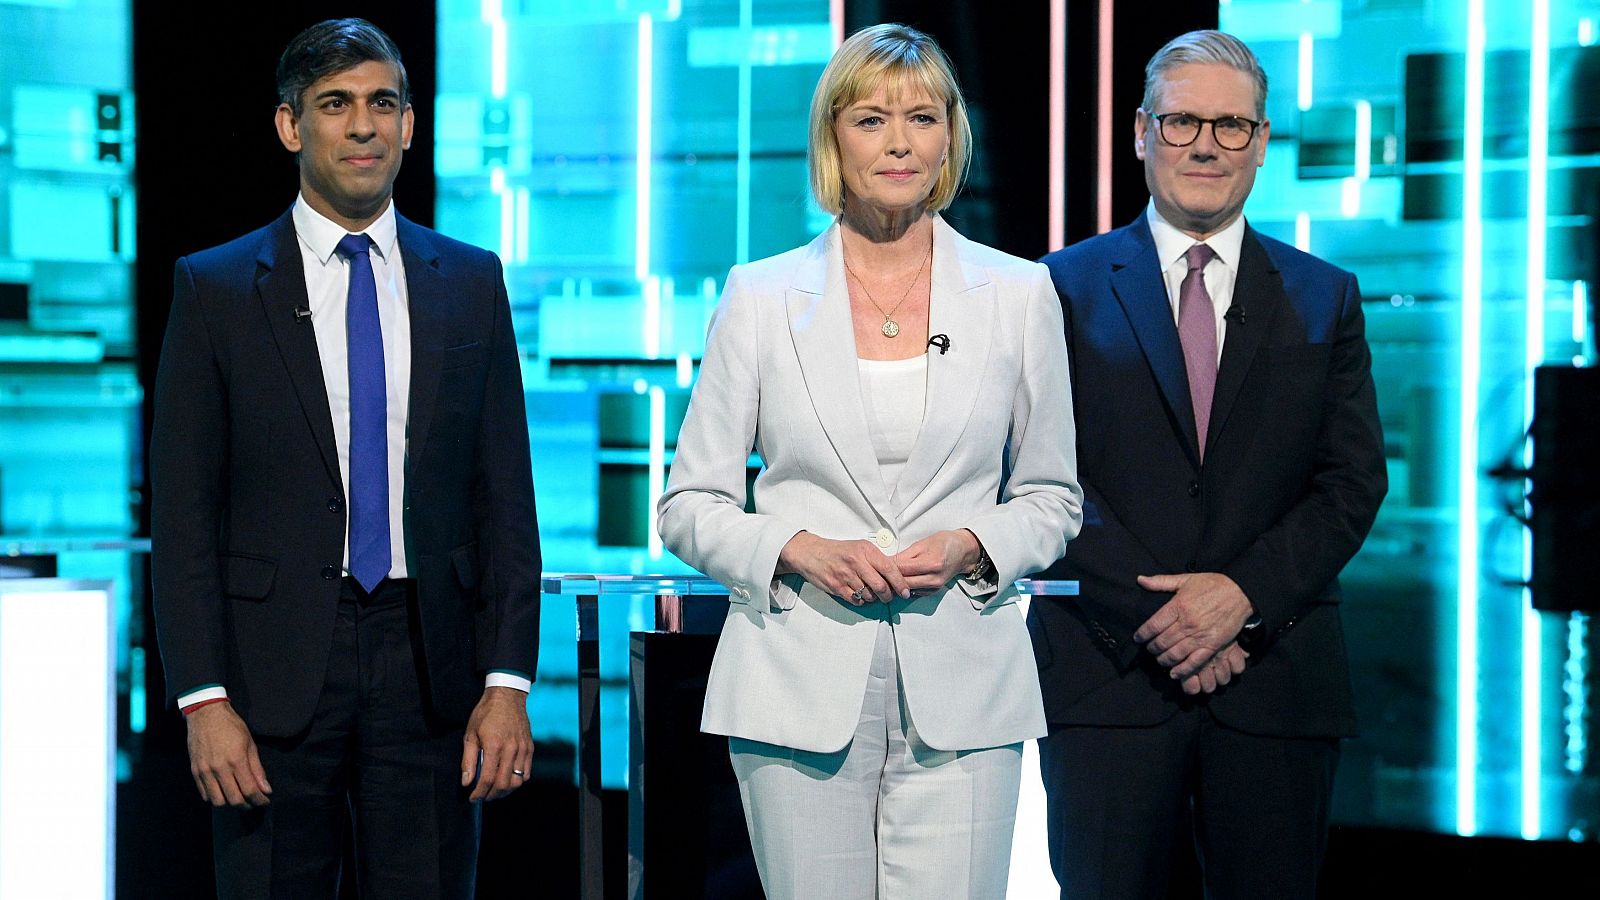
(301, 313)
(942, 341)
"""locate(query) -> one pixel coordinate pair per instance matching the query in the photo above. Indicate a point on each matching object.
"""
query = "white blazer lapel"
(961, 307)
(824, 339)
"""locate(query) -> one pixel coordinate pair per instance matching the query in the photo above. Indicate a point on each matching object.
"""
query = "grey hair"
(1206, 46)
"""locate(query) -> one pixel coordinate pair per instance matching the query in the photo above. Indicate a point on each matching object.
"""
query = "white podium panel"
(57, 738)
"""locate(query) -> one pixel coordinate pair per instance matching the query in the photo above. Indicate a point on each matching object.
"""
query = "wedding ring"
(518, 772)
(857, 596)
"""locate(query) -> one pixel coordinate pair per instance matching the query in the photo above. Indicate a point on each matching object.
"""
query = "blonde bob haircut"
(895, 59)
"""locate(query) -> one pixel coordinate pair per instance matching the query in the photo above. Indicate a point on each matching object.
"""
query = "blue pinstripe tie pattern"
(370, 557)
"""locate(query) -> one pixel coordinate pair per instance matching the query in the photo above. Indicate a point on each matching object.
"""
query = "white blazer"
(780, 376)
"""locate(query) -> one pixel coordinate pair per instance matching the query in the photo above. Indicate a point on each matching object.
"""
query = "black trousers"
(1119, 800)
(373, 763)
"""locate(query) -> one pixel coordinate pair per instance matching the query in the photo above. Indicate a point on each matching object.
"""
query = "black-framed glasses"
(1180, 129)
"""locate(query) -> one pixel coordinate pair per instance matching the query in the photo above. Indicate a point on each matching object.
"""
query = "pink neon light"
(1057, 237)
(1103, 129)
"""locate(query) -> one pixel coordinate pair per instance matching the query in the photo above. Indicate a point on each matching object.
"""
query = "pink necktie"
(1197, 331)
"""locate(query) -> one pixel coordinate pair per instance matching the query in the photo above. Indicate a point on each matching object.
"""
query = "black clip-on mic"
(1235, 313)
(942, 341)
(301, 313)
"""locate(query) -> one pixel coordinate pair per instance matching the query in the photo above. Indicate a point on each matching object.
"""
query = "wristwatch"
(983, 569)
(1252, 632)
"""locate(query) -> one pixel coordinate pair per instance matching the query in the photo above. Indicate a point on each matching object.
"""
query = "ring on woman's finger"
(857, 595)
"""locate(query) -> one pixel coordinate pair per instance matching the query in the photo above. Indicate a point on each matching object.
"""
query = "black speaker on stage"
(1565, 495)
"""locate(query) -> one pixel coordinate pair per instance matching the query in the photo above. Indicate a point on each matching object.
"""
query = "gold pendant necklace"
(890, 327)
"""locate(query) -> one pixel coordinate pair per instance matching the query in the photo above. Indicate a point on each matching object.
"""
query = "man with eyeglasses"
(1232, 462)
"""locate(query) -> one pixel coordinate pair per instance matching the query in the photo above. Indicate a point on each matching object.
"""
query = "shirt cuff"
(202, 694)
(508, 678)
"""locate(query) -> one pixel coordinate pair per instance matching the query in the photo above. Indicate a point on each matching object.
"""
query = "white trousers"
(887, 817)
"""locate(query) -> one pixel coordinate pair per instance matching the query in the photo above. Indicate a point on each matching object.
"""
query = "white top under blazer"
(780, 376)
(894, 394)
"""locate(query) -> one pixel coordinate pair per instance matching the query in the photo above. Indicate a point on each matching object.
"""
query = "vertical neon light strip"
(658, 465)
(1057, 237)
(836, 20)
(1302, 231)
(492, 13)
(741, 228)
(1533, 355)
(1102, 163)
(508, 211)
(1303, 98)
(524, 224)
(1580, 311)
(642, 152)
(1350, 190)
(1467, 428)
(651, 324)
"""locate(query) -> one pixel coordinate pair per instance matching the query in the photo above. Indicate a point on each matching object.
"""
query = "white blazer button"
(884, 537)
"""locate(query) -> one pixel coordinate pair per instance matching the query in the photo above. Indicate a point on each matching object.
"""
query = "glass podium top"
(569, 585)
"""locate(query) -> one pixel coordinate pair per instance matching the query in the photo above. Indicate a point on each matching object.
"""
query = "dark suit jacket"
(248, 515)
(1293, 476)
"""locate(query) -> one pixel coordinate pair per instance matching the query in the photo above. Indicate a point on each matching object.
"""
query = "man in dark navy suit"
(1232, 463)
(346, 559)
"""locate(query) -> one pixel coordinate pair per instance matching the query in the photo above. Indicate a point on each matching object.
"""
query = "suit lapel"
(1258, 290)
(1136, 280)
(962, 307)
(818, 306)
(281, 285)
(428, 303)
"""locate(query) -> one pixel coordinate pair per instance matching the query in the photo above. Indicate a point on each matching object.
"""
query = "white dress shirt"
(1220, 273)
(328, 287)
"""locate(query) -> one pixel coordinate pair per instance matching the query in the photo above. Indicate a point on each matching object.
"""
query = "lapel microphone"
(942, 341)
(1235, 313)
(301, 313)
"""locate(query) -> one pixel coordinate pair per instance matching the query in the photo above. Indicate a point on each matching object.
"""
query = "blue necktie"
(369, 420)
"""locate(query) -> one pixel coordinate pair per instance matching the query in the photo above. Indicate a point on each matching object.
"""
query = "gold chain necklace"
(890, 328)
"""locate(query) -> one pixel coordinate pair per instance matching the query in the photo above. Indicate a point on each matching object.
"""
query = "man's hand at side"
(499, 731)
(223, 760)
(1205, 614)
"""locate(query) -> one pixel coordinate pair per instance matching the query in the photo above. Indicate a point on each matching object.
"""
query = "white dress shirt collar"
(1172, 244)
(322, 235)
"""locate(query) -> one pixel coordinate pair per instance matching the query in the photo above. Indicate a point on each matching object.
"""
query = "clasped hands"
(858, 572)
(1196, 633)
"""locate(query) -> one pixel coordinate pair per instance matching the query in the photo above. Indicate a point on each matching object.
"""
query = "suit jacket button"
(330, 572)
(335, 504)
(1194, 488)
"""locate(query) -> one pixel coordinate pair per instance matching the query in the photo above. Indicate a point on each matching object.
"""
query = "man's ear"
(1141, 127)
(407, 121)
(289, 128)
(1263, 135)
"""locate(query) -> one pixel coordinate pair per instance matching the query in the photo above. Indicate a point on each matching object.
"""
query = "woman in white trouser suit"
(907, 392)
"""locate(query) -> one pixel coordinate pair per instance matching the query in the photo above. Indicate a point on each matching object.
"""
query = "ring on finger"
(857, 595)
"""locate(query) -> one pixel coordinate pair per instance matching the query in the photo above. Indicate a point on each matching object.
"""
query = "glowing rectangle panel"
(1280, 20)
(780, 45)
(56, 776)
